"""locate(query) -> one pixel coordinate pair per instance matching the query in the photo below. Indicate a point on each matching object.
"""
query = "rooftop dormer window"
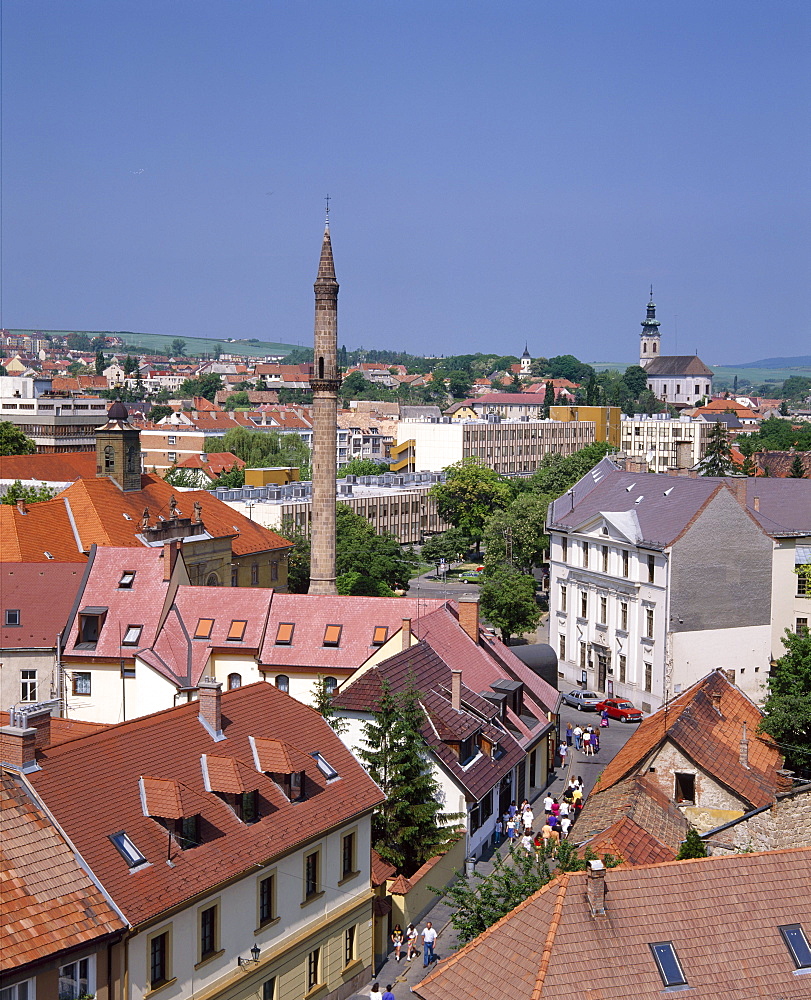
(91, 621)
(381, 633)
(237, 631)
(284, 634)
(133, 635)
(127, 580)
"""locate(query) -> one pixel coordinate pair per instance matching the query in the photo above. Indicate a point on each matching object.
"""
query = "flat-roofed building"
(665, 442)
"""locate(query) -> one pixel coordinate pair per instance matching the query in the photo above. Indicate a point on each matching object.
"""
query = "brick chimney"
(469, 616)
(38, 717)
(595, 888)
(635, 463)
(456, 690)
(405, 633)
(209, 697)
(18, 744)
(170, 551)
(737, 486)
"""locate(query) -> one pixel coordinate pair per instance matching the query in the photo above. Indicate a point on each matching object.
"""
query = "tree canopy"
(718, 456)
(507, 601)
(363, 467)
(13, 441)
(260, 449)
(787, 710)
(178, 347)
(448, 545)
(206, 386)
(516, 535)
(28, 494)
(470, 493)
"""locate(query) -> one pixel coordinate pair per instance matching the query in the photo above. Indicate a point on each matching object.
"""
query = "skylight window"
(237, 631)
(325, 767)
(797, 944)
(332, 635)
(284, 634)
(132, 635)
(380, 635)
(127, 580)
(204, 627)
(668, 964)
(128, 851)
(126, 517)
(49, 555)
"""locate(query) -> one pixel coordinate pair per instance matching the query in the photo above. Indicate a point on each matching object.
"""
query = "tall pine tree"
(410, 826)
(718, 457)
(797, 470)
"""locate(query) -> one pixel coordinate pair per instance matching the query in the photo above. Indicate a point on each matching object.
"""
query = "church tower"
(650, 342)
(325, 384)
(526, 360)
(118, 450)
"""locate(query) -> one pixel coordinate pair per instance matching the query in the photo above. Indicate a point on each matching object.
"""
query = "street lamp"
(243, 962)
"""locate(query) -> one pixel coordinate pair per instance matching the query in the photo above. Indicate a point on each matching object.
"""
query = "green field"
(159, 343)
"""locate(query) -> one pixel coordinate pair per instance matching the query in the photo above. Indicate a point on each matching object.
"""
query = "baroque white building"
(680, 380)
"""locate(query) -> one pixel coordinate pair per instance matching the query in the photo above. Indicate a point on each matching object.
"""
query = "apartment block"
(665, 442)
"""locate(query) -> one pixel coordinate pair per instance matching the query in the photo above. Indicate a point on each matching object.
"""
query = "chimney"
(18, 744)
(737, 486)
(209, 696)
(743, 750)
(170, 551)
(406, 633)
(456, 690)
(469, 616)
(595, 888)
(757, 503)
(38, 717)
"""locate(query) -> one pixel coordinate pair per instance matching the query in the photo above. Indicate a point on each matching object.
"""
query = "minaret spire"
(325, 383)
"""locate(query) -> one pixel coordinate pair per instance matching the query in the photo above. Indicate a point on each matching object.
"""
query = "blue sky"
(499, 172)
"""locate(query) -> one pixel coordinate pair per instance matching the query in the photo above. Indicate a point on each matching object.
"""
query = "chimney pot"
(18, 745)
(209, 695)
(456, 690)
(469, 616)
(757, 503)
(406, 633)
(595, 888)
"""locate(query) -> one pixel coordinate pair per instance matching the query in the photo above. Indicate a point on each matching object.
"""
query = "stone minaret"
(325, 384)
(650, 342)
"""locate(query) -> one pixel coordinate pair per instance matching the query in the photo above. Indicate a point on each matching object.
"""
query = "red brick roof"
(43, 593)
(721, 914)
(62, 730)
(50, 903)
(45, 528)
(381, 870)
(138, 748)
(64, 468)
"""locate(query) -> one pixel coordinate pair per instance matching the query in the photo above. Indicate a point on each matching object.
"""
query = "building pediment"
(622, 525)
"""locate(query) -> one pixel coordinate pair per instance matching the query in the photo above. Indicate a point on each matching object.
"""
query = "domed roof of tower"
(118, 412)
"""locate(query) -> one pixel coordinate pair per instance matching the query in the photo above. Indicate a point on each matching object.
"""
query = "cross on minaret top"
(327, 199)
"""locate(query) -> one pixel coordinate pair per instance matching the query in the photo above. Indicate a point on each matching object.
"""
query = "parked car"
(583, 701)
(619, 708)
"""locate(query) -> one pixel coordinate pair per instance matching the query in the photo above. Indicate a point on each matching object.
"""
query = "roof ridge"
(546, 954)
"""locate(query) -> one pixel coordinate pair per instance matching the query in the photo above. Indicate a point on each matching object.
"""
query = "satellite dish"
(650, 456)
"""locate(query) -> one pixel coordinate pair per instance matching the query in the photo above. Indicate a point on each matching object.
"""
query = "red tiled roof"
(381, 870)
(45, 527)
(43, 593)
(62, 730)
(63, 468)
(50, 903)
(132, 749)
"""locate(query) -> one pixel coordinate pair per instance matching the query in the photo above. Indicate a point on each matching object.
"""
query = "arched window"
(234, 681)
(283, 683)
(330, 683)
(212, 580)
(654, 347)
(109, 458)
(644, 348)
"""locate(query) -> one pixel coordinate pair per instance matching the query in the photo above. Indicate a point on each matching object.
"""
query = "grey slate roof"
(784, 504)
(677, 364)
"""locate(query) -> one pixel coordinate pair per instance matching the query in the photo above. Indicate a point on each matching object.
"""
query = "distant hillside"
(802, 362)
(160, 343)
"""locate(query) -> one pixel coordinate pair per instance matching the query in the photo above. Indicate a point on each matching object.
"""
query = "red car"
(619, 708)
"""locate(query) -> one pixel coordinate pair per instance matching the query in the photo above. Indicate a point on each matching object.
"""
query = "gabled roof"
(722, 915)
(783, 505)
(45, 532)
(668, 366)
(50, 903)
(131, 750)
(709, 732)
(43, 593)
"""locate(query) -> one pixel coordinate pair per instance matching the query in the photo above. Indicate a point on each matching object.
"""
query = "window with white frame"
(648, 623)
(75, 979)
(624, 616)
(18, 991)
(562, 598)
(604, 553)
(584, 604)
(28, 685)
(562, 647)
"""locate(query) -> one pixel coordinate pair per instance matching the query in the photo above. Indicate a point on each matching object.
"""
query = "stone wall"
(713, 804)
(786, 824)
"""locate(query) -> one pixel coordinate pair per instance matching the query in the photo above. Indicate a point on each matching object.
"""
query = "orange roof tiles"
(272, 756)
(162, 798)
(50, 903)
(45, 528)
(60, 468)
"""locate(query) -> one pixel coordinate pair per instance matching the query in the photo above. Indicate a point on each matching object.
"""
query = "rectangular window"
(624, 616)
(313, 968)
(13, 615)
(651, 569)
(648, 676)
(254, 574)
(348, 855)
(797, 944)
(284, 634)
(127, 580)
(332, 635)
(19, 991)
(603, 610)
(234, 577)
(349, 945)
(564, 549)
(684, 789)
(132, 636)
(269, 989)
(381, 633)
(159, 960)
(187, 831)
(89, 628)
(171, 456)
(267, 899)
(584, 604)
(625, 563)
(74, 980)
(583, 656)
(623, 663)
(648, 623)
(562, 647)
(28, 685)
(668, 964)
(801, 626)
(204, 627)
(605, 558)
(311, 881)
(803, 590)
(586, 554)
(81, 682)
(237, 631)
(208, 932)
(563, 598)
(274, 570)
(128, 851)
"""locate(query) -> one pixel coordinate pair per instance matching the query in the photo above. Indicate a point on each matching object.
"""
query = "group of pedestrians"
(410, 938)
(585, 739)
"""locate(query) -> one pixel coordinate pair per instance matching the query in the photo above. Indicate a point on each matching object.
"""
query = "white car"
(583, 701)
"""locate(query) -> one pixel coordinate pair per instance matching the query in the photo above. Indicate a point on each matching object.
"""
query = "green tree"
(355, 386)
(322, 703)
(375, 558)
(229, 479)
(718, 457)
(28, 494)
(516, 385)
(410, 826)
(470, 493)
(363, 467)
(692, 847)
(517, 536)
(539, 367)
(507, 601)
(449, 545)
(796, 387)
(567, 366)
(159, 412)
(787, 710)
(635, 380)
(178, 348)
(298, 560)
(206, 386)
(101, 364)
(237, 399)
(797, 470)
(189, 479)
(260, 449)
(356, 584)
(548, 398)
(460, 384)
(13, 441)
(558, 473)
(130, 365)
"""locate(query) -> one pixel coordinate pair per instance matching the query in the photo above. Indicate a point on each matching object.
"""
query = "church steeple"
(118, 450)
(650, 340)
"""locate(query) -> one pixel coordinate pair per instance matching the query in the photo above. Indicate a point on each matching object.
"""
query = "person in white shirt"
(547, 804)
(565, 825)
(564, 808)
(428, 939)
(411, 937)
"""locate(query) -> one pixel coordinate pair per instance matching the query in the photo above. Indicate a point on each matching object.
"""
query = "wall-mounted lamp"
(242, 962)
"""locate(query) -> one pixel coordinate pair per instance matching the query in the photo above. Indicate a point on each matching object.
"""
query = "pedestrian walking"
(563, 750)
(511, 833)
(388, 995)
(547, 804)
(527, 842)
(546, 833)
(411, 937)
(604, 719)
(428, 940)
(569, 734)
(499, 831)
(565, 826)
(564, 809)
(595, 741)
(513, 809)
(374, 992)
(397, 941)
(555, 807)
(587, 743)
(578, 737)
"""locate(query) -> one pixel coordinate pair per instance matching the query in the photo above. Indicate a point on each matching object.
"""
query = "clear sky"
(500, 172)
